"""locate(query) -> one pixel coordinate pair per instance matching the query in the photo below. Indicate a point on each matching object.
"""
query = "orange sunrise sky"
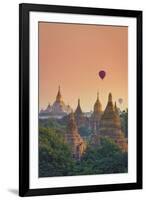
(71, 55)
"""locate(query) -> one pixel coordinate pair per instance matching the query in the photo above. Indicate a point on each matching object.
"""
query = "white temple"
(58, 110)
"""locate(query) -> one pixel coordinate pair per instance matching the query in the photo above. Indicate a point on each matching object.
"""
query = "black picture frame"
(24, 10)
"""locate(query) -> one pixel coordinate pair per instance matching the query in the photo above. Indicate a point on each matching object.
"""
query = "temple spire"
(110, 97)
(97, 105)
(110, 124)
(116, 109)
(59, 89)
(78, 102)
(98, 96)
(115, 105)
(58, 97)
(78, 109)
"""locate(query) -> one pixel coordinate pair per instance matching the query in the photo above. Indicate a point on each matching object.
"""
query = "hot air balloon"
(120, 100)
(102, 74)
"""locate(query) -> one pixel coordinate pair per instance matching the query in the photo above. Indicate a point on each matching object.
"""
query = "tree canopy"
(55, 158)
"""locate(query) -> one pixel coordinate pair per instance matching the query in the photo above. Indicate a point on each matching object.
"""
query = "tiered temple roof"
(110, 124)
(74, 139)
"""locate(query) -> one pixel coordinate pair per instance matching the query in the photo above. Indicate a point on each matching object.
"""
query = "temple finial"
(115, 105)
(58, 97)
(79, 101)
(110, 97)
(97, 95)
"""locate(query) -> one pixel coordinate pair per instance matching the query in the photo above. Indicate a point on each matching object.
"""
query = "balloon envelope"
(102, 74)
(120, 100)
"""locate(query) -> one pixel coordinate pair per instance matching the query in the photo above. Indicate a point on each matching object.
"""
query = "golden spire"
(109, 106)
(98, 96)
(110, 97)
(59, 97)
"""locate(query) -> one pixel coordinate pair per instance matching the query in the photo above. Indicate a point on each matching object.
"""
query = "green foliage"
(85, 131)
(104, 159)
(54, 154)
(52, 123)
(55, 157)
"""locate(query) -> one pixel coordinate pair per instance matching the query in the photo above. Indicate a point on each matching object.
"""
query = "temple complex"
(74, 139)
(110, 124)
(99, 123)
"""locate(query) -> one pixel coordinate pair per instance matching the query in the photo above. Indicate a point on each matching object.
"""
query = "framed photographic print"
(80, 99)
